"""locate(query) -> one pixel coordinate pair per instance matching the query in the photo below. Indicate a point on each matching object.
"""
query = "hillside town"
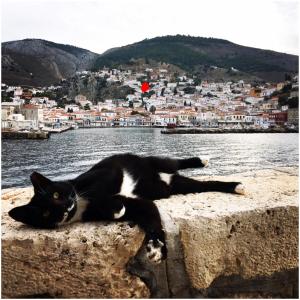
(172, 101)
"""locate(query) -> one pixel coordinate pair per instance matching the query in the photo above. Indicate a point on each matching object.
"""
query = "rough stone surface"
(241, 245)
(250, 236)
(76, 261)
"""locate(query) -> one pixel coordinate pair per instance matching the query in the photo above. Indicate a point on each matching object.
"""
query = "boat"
(171, 125)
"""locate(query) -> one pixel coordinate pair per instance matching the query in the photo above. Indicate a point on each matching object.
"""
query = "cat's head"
(52, 203)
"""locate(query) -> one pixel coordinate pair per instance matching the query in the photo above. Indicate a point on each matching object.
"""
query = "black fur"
(100, 187)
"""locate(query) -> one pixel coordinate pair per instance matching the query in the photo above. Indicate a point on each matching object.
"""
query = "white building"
(72, 108)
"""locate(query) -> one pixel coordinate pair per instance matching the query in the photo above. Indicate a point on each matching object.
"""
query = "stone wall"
(220, 245)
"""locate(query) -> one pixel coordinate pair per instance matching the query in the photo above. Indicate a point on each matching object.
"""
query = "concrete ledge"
(220, 245)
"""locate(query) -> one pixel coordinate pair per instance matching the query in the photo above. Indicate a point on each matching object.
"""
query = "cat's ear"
(39, 181)
(27, 214)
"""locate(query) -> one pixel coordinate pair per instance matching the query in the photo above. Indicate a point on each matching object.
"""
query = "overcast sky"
(98, 25)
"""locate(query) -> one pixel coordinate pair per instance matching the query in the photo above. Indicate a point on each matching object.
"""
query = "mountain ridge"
(192, 53)
(39, 62)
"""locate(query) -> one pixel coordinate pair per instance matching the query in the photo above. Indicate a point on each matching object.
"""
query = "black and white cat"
(121, 187)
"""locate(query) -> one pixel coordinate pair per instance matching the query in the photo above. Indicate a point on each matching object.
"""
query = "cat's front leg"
(156, 247)
(146, 215)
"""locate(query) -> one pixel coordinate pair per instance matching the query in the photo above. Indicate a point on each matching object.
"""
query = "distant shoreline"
(164, 129)
(224, 131)
(42, 135)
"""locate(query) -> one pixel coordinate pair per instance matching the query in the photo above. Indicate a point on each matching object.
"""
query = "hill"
(38, 62)
(197, 54)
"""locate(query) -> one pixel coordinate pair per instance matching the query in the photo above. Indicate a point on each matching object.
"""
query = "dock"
(220, 130)
(31, 135)
(57, 130)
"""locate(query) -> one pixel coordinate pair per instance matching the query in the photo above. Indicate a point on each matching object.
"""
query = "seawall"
(220, 245)
(222, 131)
(41, 135)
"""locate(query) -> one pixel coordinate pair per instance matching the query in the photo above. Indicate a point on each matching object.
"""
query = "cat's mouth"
(71, 206)
(69, 213)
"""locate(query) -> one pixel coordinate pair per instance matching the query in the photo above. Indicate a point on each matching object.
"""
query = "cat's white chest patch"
(80, 209)
(165, 177)
(127, 186)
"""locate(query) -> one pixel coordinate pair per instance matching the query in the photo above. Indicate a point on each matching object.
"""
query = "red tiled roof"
(30, 106)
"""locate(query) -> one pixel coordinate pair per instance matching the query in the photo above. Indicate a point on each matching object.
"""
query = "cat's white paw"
(120, 214)
(240, 189)
(154, 253)
(204, 160)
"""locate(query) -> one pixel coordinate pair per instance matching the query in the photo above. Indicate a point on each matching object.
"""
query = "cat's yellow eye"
(56, 195)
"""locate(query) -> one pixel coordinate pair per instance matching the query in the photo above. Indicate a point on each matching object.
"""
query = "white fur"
(80, 209)
(120, 214)
(165, 177)
(71, 207)
(154, 254)
(128, 185)
(64, 218)
(240, 189)
(204, 160)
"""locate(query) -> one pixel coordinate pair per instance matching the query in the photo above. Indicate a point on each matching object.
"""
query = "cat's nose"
(70, 200)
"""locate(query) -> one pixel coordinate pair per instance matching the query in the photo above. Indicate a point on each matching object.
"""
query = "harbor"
(58, 129)
(38, 134)
(73, 152)
(229, 130)
(31, 135)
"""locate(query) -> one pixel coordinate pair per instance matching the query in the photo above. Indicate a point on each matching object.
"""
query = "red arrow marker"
(145, 87)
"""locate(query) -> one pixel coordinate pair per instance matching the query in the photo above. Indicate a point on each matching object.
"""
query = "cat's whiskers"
(83, 193)
(81, 205)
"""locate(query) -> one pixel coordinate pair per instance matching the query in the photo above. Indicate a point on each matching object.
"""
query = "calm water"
(68, 154)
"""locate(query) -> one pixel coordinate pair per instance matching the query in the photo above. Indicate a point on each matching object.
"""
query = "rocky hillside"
(95, 88)
(202, 55)
(38, 62)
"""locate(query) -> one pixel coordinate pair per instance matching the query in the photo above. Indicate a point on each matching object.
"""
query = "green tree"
(197, 81)
(6, 98)
(152, 109)
(287, 77)
(60, 103)
(283, 100)
(85, 81)
(87, 107)
(189, 90)
(293, 102)
(287, 88)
